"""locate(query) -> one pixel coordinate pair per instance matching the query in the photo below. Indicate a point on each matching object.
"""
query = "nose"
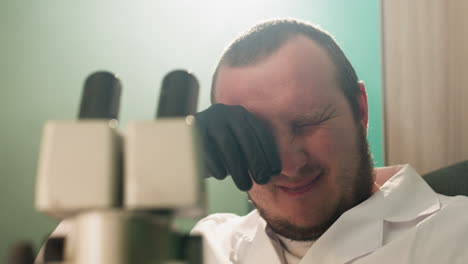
(292, 154)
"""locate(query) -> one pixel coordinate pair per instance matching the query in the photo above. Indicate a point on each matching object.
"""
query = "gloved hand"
(235, 142)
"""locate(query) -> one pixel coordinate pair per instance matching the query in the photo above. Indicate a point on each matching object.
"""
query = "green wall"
(48, 47)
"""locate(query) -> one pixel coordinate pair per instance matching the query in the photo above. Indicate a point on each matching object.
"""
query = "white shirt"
(403, 222)
(292, 251)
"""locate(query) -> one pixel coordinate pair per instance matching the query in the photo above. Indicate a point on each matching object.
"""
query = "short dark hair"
(265, 38)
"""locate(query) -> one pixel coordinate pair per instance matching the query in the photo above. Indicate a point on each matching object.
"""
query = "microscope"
(117, 192)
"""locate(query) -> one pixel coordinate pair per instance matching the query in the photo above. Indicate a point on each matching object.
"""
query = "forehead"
(299, 72)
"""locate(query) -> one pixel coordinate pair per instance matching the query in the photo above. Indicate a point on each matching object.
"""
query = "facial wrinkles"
(301, 127)
(310, 121)
(290, 116)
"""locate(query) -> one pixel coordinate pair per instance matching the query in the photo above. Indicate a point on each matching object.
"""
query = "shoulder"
(224, 224)
(452, 217)
(454, 206)
(224, 234)
(441, 238)
(217, 220)
(456, 201)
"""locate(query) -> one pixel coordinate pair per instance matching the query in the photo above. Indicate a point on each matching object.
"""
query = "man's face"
(324, 155)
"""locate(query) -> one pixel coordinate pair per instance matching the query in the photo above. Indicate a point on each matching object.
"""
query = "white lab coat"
(404, 222)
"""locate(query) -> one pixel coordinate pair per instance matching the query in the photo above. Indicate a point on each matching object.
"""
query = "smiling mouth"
(300, 188)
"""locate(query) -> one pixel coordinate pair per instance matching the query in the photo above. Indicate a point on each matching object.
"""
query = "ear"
(363, 107)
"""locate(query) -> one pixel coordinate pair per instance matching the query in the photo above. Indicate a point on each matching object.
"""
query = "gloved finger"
(213, 162)
(250, 146)
(233, 159)
(266, 148)
(211, 153)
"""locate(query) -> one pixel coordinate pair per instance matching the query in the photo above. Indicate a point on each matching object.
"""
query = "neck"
(382, 175)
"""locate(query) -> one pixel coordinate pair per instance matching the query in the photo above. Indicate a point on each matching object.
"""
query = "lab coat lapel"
(354, 234)
(359, 231)
(261, 248)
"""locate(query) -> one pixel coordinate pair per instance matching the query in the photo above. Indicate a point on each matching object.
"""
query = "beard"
(357, 187)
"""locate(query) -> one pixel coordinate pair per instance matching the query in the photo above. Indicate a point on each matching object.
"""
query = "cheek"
(330, 142)
(324, 145)
(332, 148)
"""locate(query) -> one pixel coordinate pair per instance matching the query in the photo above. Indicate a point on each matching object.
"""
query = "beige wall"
(425, 58)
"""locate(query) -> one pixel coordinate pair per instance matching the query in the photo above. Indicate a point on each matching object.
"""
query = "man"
(289, 125)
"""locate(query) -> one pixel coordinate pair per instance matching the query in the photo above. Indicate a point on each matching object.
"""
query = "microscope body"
(120, 191)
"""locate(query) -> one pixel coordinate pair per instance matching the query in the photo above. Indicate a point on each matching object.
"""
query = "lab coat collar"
(359, 231)
(407, 196)
(260, 247)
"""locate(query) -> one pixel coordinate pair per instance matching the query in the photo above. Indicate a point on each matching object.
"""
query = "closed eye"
(298, 127)
(310, 122)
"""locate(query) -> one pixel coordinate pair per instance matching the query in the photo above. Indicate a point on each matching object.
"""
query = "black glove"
(235, 142)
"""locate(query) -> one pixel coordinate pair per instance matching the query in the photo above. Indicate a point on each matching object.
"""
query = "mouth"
(302, 187)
